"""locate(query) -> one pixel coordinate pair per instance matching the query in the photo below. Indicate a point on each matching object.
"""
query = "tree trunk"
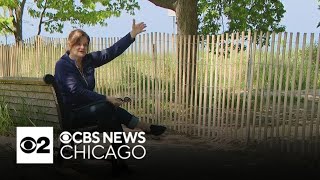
(17, 21)
(41, 17)
(186, 12)
(187, 24)
(18, 30)
(187, 18)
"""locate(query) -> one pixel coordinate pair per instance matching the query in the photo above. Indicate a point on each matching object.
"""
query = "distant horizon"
(306, 13)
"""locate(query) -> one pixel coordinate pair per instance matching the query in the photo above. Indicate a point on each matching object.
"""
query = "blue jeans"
(108, 118)
(105, 115)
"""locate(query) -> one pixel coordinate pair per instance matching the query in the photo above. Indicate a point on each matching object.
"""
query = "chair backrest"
(29, 99)
(63, 110)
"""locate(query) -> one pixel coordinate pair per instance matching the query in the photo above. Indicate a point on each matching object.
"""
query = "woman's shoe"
(157, 130)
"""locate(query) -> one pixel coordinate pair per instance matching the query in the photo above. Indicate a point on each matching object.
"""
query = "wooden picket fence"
(248, 86)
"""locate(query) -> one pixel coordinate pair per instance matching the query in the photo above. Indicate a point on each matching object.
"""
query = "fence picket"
(251, 65)
(224, 57)
(211, 69)
(297, 123)
(275, 84)
(315, 94)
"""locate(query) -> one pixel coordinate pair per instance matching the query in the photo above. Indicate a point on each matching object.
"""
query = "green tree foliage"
(240, 15)
(212, 15)
(53, 14)
(12, 22)
(237, 15)
(5, 21)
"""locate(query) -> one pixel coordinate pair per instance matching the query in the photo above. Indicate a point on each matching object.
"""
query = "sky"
(301, 16)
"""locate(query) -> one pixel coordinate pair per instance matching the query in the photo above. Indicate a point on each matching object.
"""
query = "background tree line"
(193, 16)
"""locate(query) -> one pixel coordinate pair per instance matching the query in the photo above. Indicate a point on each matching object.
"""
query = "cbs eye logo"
(29, 145)
(65, 137)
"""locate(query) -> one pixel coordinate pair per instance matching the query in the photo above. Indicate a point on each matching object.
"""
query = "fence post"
(249, 81)
(155, 79)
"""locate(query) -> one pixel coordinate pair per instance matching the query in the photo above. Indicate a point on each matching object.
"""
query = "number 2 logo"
(29, 145)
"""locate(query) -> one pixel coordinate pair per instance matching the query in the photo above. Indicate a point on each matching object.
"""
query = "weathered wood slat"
(200, 123)
(288, 70)
(22, 80)
(270, 60)
(293, 79)
(316, 125)
(205, 91)
(40, 109)
(250, 70)
(257, 61)
(275, 85)
(239, 82)
(234, 79)
(35, 116)
(30, 101)
(23, 94)
(301, 79)
(308, 82)
(28, 98)
(24, 87)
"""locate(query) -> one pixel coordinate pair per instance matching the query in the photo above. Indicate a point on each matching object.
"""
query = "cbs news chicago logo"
(35, 145)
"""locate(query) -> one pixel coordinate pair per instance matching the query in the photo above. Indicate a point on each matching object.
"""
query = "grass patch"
(11, 118)
(6, 121)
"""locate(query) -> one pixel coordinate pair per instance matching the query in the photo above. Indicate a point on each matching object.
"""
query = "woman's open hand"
(137, 28)
(115, 101)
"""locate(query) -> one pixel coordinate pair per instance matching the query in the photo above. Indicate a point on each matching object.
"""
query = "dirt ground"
(173, 156)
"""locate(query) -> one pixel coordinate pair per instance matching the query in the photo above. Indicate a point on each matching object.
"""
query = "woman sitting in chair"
(74, 74)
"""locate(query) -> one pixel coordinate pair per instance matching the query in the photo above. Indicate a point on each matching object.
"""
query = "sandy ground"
(172, 156)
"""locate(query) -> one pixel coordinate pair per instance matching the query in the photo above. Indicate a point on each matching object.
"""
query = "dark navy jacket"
(75, 90)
